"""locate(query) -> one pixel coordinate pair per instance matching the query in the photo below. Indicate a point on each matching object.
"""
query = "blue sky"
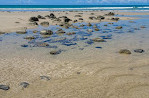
(72, 2)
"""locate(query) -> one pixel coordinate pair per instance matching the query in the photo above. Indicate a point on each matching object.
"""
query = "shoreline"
(13, 21)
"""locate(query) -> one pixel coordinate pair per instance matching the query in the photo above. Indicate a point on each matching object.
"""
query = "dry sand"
(75, 74)
(8, 19)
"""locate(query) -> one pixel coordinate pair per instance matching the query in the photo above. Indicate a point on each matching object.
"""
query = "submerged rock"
(60, 31)
(41, 44)
(139, 50)
(119, 27)
(89, 24)
(35, 31)
(96, 29)
(29, 37)
(4, 87)
(24, 45)
(71, 33)
(90, 30)
(98, 40)
(2, 32)
(21, 31)
(24, 84)
(46, 32)
(124, 51)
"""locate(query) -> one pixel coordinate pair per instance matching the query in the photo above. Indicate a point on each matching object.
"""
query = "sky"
(72, 2)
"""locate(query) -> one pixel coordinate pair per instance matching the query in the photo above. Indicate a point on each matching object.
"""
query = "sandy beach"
(107, 59)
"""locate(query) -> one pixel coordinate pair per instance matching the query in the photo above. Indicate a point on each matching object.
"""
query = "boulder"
(52, 16)
(100, 17)
(40, 17)
(33, 19)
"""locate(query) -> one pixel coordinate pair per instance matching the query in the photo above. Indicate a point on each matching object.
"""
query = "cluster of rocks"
(126, 51)
(23, 84)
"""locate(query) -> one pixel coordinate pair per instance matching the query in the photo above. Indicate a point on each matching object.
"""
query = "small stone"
(115, 19)
(60, 31)
(55, 52)
(44, 78)
(71, 33)
(4, 87)
(40, 17)
(139, 50)
(33, 23)
(77, 16)
(119, 27)
(24, 84)
(124, 51)
(35, 31)
(110, 14)
(78, 72)
(100, 17)
(98, 40)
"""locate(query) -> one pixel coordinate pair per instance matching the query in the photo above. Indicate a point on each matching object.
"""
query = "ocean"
(72, 7)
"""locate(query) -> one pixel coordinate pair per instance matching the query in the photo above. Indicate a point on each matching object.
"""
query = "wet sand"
(81, 70)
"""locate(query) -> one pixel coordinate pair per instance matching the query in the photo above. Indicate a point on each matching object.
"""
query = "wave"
(65, 9)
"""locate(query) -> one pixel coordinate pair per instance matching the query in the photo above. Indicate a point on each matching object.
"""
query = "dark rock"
(60, 31)
(4, 87)
(92, 17)
(124, 51)
(33, 19)
(24, 84)
(46, 32)
(21, 31)
(119, 27)
(99, 47)
(2, 33)
(71, 33)
(55, 52)
(24, 45)
(52, 16)
(139, 50)
(40, 17)
(96, 29)
(115, 19)
(98, 40)
(142, 27)
(29, 37)
(89, 24)
(41, 44)
(100, 17)
(80, 18)
(110, 14)
(44, 78)
(35, 31)
(75, 21)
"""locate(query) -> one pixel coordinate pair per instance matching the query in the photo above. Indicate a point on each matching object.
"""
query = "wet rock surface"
(4, 87)
(139, 50)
